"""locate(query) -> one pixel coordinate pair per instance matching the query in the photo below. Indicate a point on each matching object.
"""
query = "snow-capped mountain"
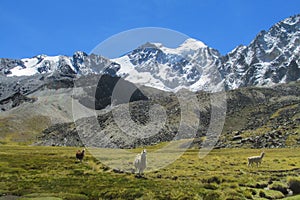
(79, 64)
(192, 65)
(189, 66)
(271, 58)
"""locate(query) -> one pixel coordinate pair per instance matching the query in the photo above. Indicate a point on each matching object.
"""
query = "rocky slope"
(263, 117)
(56, 102)
(256, 118)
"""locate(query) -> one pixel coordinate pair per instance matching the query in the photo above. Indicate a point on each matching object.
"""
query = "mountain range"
(52, 99)
(271, 58)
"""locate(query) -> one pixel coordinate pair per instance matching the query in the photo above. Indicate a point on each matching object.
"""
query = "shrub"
(253, 192)
(261, 185)
(279, 187)
(262, 194)
(214, 179)
(294, 184)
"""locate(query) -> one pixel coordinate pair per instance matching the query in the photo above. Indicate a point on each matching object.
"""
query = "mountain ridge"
(272, 57)
(61, 83)
(267, 59)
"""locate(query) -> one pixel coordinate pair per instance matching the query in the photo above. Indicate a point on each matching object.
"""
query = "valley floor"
(33, 172)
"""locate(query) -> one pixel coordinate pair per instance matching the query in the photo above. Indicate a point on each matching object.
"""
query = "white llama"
(255, 159)
(140, 162)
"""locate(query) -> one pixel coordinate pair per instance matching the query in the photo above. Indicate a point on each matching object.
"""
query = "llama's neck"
(143, 157)
(262, 155)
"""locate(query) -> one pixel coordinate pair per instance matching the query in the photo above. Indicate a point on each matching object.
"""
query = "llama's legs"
(249, 163)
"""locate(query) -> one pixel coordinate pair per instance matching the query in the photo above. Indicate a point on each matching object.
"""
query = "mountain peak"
(293, 20)
(80, 54)
(187, 46)
(150, 45)
(192, 44)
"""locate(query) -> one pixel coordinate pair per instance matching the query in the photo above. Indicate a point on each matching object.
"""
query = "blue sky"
(55, 27)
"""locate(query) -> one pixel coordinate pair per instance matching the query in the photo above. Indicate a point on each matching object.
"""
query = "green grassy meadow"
(32, 172)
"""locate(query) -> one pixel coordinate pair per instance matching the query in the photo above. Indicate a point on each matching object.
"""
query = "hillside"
(255, 117)
(91, 90)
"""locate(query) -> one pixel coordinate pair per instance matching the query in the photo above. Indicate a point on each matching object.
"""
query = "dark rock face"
(99, 91)
(66, 69)
(293, 71)
(7, 64)
(107, 84)
(53, 83)
(14, 101)
(78, 59)
(16, 90)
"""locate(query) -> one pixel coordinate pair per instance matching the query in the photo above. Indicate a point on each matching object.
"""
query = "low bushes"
(294, 184)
